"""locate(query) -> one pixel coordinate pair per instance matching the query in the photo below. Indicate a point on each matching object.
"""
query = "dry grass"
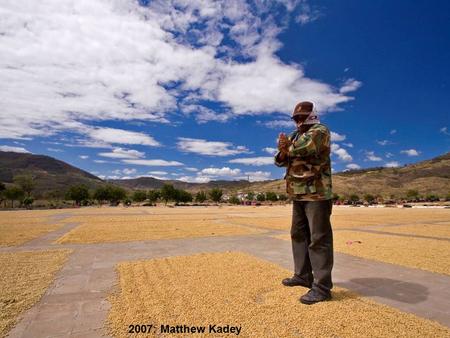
(434, 230)
(24, 278)
(137, 230)
(18, 230)
(247, 292)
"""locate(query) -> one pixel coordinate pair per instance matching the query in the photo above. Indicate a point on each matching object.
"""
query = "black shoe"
(314, 296)
(294, 281)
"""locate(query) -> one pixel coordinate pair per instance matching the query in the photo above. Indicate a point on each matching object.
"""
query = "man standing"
(306, 154)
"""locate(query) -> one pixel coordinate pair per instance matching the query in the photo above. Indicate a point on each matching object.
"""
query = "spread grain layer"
(235, 292)
(18, 230)
(122, 230)
(441, 230)
(419, 253)
(24, 278)
(343, 217)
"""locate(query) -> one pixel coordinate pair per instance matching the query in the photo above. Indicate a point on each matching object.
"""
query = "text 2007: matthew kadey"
(211, 328)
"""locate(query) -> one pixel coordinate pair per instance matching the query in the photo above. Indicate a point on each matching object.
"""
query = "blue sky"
(199, 91)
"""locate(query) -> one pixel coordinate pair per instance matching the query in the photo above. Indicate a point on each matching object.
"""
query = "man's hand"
(283, 143)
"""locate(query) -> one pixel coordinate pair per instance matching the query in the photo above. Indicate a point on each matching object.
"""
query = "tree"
(282, 197)
(234, 200)
(28, 201)
(26, 183)
(200, 197)
(168, 193)
(101, 194)
(336, 197)
(2, 189)
(215, 194)
(78, 193)
(261, 197)
(271, 196)
(183, 196)
(153, 195)
(13, 193)
(250, 196)
(369, 198)
(139, 196)
(432, 198)
(412, 195)
(116, 194)
(354, 198)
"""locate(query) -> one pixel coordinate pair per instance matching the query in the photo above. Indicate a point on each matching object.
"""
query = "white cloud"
(123, 153)
(275, 124)
(101, 161)
(392, 164)
(353, 166)
(270, 150)
(158, 172)
(224, 171)
(410, 152)
(307, 14)
(55, 150)
(126, 171)
(341, 153)
(191, 169)
(444, 130)
(120, 136)
(209, 148)
(66, 65)
(350, 85)
(83, 157)
(153, 163)
(335, 137)
(256, 176)
(384, 142)
(14, 149)
(195, 179)
(129, 171)
(255, 161)
(250, 88)
(203, 114)
(350, 145)
(393, 131)
(370, 156)
(389, 155)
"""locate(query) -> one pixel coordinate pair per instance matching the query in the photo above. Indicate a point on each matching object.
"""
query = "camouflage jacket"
(308, 172)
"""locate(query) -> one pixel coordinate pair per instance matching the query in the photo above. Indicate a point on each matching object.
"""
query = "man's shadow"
(405, 292)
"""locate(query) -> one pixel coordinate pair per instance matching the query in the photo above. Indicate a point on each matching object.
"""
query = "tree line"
(23, 186)
(113, 195)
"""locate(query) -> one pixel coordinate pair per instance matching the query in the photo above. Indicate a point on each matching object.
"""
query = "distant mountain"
(427, 177)
(50, 174)
(146, 183)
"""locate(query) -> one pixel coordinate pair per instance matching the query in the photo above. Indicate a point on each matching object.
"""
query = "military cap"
(303, 108)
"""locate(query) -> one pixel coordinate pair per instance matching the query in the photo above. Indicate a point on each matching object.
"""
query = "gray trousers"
(312, 242)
